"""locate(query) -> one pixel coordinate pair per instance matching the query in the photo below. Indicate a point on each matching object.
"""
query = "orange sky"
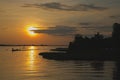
(56, 21)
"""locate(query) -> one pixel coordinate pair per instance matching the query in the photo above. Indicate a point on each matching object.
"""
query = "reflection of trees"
(98, 65)
(102, 70)
(116, 73)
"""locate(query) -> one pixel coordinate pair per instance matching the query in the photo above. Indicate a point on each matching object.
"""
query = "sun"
(30, 31)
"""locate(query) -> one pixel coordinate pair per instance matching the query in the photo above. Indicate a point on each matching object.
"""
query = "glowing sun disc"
(30, 32)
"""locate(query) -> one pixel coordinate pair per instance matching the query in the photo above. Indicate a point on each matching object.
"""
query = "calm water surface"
(28, 65)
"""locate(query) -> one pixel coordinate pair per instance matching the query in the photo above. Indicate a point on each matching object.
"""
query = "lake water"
(28, 65)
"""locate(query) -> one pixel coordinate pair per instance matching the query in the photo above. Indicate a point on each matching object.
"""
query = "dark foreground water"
(28, 65)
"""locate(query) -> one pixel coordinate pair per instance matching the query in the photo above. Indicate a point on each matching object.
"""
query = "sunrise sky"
(55, 21)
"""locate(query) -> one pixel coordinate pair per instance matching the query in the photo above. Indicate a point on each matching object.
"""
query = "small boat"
(23, 49)
(16, 49)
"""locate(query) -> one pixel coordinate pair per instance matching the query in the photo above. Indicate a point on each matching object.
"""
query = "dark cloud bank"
(64, 7)
(62, 30)
(58, 30)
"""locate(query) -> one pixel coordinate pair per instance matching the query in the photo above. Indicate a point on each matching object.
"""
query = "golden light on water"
(32, 60)
(31, 57)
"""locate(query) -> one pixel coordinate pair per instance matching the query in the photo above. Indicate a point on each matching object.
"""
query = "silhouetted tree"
(78, 37)
(97, 42)
(98, 36)
(116, 31)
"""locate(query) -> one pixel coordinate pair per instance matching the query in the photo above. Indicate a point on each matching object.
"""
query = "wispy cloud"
(95, 26)
(64, 7)
(85, 23)
(100, 28)
(3, 28)
(115, 16)
(58, 30)
(2, 11)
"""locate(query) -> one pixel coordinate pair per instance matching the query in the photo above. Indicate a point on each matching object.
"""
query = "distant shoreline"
(29, 45)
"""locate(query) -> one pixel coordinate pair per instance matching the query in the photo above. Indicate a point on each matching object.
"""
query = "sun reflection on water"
(31, 58)
(34, 65)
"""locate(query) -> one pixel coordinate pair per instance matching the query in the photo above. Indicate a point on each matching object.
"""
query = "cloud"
(58, 30)
(3, 28)
(101, 28)
(85, 23)
(115, 16)
(59, 6)
(2, 11)
(95, 26)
